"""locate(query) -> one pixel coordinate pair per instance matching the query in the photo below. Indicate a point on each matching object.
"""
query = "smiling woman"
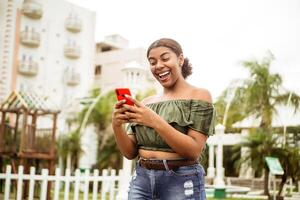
(167, 52)
(167, 132)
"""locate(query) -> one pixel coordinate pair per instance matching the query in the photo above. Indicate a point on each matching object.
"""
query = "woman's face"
(165, 65)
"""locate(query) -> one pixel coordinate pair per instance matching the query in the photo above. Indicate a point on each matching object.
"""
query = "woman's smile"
(164, 76)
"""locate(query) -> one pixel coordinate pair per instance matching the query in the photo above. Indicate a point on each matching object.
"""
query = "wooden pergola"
(27, 129)
(19, 131)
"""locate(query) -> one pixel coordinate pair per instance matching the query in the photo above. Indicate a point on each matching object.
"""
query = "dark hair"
(176, 48)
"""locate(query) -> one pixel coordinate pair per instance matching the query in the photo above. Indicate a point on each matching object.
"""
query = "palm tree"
(109, 155)
(234, 113)
(258, 96)
(261, 145)
(290, 159)
(69, 148)
(100, 116)
(264, 91)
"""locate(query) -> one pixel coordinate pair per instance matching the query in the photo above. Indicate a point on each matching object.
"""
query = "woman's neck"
(180, 87)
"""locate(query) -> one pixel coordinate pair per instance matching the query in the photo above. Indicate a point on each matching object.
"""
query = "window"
(106, 48)
(98, 69)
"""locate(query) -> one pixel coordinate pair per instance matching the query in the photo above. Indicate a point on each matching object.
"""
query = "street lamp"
(134, 75)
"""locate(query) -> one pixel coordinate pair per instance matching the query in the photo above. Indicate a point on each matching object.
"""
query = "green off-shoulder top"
(182, 114)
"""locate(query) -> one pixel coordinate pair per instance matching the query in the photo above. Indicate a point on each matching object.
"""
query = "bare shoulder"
(149, 99)
(202, 94)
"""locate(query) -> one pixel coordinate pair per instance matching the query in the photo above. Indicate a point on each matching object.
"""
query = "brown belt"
(159, 165)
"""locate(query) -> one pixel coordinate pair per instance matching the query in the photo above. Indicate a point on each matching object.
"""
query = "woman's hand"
(126, 143)
(119, 117)
(140, 113)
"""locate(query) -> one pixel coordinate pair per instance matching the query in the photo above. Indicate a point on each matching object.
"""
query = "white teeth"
(164, 73)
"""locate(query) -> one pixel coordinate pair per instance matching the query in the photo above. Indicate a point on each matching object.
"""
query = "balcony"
(72, 51)
(28, 68)
(72, 77)
(32, 9)
(30, 38)
(73, 24)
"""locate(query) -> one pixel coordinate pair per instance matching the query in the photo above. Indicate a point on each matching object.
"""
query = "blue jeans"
(185, 183)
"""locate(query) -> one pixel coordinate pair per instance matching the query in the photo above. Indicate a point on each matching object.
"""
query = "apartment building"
(46, 46)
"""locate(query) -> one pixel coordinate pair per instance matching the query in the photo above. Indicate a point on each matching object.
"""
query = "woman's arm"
(126, 143)
(189, 146)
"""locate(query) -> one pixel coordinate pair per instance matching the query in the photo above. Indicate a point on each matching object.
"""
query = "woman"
(166, 132)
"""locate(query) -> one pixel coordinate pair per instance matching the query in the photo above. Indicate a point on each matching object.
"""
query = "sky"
(216, 35)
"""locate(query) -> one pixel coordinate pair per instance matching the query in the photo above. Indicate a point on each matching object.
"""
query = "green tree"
(258, 96)
(109, 156)
(234, 112)
(100, 115)
(69, 148)
(261, 145)
(290, 159)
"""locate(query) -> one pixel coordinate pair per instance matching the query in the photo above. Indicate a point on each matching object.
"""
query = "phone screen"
(120, 92)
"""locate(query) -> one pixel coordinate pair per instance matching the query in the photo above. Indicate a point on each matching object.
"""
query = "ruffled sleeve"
(203, 117)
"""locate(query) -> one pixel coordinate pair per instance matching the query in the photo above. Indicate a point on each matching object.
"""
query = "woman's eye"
(165, 59)
(152, 63)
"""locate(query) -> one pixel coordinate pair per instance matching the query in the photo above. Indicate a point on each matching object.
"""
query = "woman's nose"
(159, 64)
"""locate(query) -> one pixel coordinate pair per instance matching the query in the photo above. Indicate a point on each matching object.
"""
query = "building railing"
(73, 78)
(32, 9)
(72, 51)
(37, 140)
(28, 68)
(73, 24)
(30, 38)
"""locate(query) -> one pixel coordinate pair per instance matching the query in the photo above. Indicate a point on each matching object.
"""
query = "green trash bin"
(220, 193)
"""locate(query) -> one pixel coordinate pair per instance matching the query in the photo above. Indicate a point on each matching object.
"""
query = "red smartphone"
(120, 92)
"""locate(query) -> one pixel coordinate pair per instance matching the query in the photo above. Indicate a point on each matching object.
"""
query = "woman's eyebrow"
(164, 53)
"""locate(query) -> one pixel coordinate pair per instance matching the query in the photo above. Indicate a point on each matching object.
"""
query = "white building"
(46, 46)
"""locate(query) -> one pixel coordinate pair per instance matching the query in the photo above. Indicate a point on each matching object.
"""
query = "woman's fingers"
(122, 117)
(121, 110)
(136, 102)
(131, 115)
(130, 108)
(120, 103)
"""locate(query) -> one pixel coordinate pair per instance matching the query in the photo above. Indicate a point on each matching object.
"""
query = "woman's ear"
(181, 59)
